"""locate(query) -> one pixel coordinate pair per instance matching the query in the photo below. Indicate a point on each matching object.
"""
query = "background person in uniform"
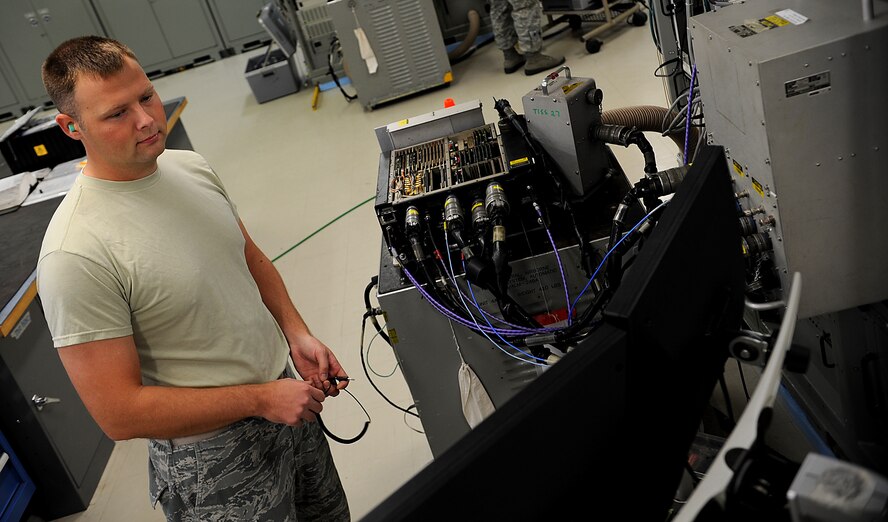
(171, 323)
(520, 22)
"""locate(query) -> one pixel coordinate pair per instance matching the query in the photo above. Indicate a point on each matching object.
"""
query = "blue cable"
(472, 293)
(688, 122)
(609, 252)
(560, 265)
(495, 330)
(802, 422)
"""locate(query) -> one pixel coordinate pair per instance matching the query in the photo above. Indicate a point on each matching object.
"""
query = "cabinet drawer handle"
(40, 402)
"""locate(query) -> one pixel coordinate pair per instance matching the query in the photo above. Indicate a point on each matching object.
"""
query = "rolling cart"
(606, 13)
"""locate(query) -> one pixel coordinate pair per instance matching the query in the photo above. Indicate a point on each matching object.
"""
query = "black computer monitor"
(615, 418)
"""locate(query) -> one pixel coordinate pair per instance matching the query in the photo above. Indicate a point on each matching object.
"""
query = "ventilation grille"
(316, 22)
(416, 33)
(403, 43)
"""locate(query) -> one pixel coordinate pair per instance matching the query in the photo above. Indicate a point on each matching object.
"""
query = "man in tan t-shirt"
(171, 323)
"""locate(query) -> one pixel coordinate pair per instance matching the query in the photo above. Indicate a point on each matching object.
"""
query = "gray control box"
(559, 114)
(797, 98)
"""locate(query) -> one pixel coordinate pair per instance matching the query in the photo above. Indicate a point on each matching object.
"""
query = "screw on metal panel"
(729, 49)
(843, 55)
(829, 58)
(806, 65)
(756, 82)
(750, 64)
(818, 163)
(840, 158)
(767, 161)
(866, 47)
(763, 122)
(567, 122)
(853, 155)
(710, 37)
(531, 98)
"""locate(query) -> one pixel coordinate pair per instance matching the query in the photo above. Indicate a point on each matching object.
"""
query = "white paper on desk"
(50, 188)
(63, 169)
(42, 173)
(15, 188)
(20, 122)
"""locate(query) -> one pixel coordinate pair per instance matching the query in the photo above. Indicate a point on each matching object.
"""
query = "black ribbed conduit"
(646, 118)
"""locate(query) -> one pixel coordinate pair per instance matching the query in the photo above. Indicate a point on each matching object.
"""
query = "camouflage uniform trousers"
(253, 470)
(517, 21)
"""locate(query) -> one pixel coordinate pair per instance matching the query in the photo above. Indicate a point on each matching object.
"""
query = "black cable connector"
(625, 136)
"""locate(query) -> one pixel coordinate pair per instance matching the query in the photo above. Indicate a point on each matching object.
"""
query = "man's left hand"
(315, 363)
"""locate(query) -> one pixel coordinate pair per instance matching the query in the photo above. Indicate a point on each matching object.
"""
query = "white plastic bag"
(476, 404)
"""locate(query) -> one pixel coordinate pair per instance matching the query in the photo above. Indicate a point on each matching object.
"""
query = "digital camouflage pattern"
(254, 470)
(517, 21)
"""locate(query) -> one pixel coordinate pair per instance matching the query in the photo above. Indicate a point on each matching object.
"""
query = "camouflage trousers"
(517, 21)
(253, 470)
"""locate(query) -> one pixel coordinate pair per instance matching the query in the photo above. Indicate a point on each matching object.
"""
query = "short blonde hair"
(88, 55)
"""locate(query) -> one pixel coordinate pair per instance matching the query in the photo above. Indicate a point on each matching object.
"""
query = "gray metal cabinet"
(238, 25)
(8, 100)
(59, 445)
(31, 29)
(165, 34)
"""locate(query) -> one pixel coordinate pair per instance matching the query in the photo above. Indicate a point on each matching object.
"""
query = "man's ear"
(68, 126)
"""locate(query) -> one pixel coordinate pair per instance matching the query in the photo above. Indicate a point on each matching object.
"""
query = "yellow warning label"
(403, 122)
(738, 168)
(393, 335)
(518, 161)
(758, 187)
(40, 150)
(568, 88)
(776, 20)
(448, 77)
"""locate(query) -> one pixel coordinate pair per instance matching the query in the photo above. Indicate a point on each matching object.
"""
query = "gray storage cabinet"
(166, 35)
(59, 445)
(9, 102)
(237, 23)
(30, 30)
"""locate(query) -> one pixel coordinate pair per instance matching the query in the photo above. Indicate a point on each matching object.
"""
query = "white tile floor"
(291, 170)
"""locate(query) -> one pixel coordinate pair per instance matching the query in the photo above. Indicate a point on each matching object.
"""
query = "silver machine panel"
(426, 347)
(435, 171)
(798, 102)
(406, 41)
(310, 26)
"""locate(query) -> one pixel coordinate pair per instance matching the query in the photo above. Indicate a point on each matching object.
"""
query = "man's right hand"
(291, 401)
